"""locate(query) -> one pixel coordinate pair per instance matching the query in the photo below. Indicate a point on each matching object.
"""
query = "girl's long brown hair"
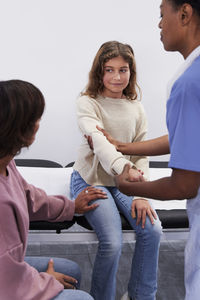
(106, 52)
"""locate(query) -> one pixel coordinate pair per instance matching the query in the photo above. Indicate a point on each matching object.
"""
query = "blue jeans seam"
(141, 270)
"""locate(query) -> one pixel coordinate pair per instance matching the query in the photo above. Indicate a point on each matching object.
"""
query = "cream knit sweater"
(125, 120)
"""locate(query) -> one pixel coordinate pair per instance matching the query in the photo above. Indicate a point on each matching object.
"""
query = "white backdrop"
(52, 43)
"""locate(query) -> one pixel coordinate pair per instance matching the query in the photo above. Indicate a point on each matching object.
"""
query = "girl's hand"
(135, 175)
(67, 281)
(143, 208)
(88, 194)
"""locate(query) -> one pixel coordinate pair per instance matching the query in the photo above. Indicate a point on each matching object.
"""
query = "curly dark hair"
(21, 106)
(194, 3)
(106, 52)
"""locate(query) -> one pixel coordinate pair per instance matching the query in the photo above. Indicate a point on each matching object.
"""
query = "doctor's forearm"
(162, 189)
(157, 146)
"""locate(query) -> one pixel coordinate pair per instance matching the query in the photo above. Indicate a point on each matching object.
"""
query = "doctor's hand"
(123, 182)
(82, 202)
(109, 137)
(106, 134)
(122, 179)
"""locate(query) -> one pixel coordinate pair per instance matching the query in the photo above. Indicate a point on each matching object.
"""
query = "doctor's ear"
(186, 13)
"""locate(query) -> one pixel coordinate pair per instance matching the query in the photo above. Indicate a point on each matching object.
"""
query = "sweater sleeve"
(141, 162)
(89, 117)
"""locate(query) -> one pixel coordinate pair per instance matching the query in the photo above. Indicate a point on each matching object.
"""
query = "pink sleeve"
(18, 280)
(51, 208)
(43, 207)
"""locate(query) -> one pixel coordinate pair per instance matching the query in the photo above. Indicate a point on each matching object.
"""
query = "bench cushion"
(55, 180)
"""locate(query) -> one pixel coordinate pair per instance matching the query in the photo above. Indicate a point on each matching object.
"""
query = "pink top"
(21, 202)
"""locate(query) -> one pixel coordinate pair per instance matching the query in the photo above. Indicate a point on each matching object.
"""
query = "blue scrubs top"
(183, 120)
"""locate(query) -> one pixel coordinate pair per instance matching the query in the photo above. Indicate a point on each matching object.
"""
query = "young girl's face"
(116, 77)
(171, 29)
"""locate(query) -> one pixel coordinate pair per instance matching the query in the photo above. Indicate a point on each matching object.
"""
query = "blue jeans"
(64, 266)
(106, 222)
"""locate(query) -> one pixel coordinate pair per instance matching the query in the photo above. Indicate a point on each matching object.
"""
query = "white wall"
(52, 43)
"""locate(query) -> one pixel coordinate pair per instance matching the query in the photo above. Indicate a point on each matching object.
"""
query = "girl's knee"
(111, 247)
(154, 230)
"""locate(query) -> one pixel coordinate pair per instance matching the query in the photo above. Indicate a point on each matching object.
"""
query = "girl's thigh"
(77, 184)
(105, 219)
(124, 204)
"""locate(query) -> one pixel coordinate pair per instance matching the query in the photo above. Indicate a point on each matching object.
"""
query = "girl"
(111, 101)
(180, 31)
(21, 107)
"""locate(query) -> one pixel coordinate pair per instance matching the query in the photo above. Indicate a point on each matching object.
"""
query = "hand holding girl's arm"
(157, 146)
(182, 184)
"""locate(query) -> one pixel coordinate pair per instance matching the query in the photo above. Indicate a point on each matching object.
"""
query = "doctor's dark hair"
(21, 106)
(194, 3)
(106, 52)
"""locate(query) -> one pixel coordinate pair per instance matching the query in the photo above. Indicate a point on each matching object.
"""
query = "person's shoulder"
(188, 81)
(192, 74)
(187, 86)
(12, 165)
(137, 108)
(196, 63)
(85, 102)
(85, 99)
(137, 104)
